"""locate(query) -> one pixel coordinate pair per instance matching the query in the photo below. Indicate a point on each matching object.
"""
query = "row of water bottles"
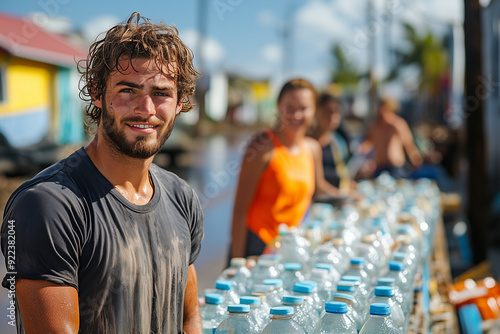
(363, 255)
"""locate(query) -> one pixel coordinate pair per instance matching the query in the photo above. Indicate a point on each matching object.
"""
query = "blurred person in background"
(389, 137)
(334, 142)
(105, 240)
(281, 171)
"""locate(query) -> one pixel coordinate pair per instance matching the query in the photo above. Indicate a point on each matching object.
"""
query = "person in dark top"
(104, 241)
(334, 144)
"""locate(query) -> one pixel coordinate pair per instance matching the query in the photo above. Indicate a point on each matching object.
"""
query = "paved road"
(213, 173)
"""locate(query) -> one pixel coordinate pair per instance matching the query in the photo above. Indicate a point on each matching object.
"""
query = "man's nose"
(146, 105)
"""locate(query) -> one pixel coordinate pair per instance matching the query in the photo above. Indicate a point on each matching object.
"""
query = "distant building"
(38, 85)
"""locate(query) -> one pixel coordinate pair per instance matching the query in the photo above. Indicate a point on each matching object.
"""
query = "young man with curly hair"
(105, 240)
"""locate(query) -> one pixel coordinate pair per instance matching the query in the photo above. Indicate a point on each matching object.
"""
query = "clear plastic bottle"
(349, 288)
(352, 313)
(282, 322)
(362, 289)
(238, 273)
(225, 288)
(312, 301)
(398, 296)
(258, 309)
(293, 247)
(333, 274)
(212, 313)
(335, 320)
(317, 303)
(292, 274)
(357, 269)
(396, 271)
(385, 294)
(277, 291)
(302, 314)
(238, 321)
(265, 268)
(327, 253)
(380, 321)
(324, 284)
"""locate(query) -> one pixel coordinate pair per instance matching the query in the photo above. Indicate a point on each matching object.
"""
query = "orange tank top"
(284, 191)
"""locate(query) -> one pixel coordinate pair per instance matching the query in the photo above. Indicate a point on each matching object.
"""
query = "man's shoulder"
(55, 181)
(170, 181)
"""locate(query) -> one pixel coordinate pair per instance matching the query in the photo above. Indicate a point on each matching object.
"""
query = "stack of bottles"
(343, 270)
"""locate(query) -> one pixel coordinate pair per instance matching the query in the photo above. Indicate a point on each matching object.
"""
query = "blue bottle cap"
(348, 288)
(281, 310)
(293, 299)
(384, 291)
(213, 298)
(326, 266)
(399, 256)
(303, 288)
(223, 285)
(336, 307)
(386, 281)
(342, 295)
(262, 288)
(380, 309)
(275, 282)
(334, 225)
(357, 261)
(241, 308)
(292, 266)
(311, 283)
(396, 265)
(351, 278)
(347, 283)
(249, 300)
(403, 229)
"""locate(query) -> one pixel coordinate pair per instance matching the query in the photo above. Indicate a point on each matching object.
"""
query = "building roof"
(22, 38)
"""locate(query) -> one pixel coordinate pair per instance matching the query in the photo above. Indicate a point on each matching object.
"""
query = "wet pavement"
(212, 170)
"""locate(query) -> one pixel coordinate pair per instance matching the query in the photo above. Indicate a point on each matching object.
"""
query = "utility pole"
(478, 209)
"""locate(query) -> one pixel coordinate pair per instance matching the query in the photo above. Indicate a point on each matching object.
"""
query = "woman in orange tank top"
(280, 172)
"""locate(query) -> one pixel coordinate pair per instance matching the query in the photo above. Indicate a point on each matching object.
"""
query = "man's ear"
(95, 95)
(178, 108)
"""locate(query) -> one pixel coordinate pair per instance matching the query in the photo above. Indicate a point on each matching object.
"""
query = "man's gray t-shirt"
(129, 263)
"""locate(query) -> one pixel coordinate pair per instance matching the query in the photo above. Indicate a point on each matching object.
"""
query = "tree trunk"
(478, 209)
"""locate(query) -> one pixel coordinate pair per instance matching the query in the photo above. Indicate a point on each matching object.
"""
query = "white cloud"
(272, 53)
(98, 25)
(213, 52)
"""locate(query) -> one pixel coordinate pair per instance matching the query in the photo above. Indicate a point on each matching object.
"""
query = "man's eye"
(161, 94)
(126, 90)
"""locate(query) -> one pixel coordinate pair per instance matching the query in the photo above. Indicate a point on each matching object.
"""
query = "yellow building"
(38, 85)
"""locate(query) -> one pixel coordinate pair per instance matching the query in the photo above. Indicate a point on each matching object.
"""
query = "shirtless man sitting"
(389, 137)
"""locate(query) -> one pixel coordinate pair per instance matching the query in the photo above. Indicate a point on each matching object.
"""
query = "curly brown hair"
(297, 83)
(136, 39)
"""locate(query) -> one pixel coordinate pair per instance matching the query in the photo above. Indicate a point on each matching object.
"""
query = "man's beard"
(138, 149)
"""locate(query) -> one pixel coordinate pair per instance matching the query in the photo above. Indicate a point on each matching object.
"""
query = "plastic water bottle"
(238, 321)
(292, 274)
(265, 268)
(385, 294)
(294, 247)
(316, 300)
(277, 291)
(326, 253)
(225, 288)
(258, 309)
(302, 314)
(357, 269)
(325, 286)
(238, 273)
(396, 271)
(398, 296)
(212, 313)
(333, 274)
(409, 261)
(312, 300)
(335, 320)
(352, 313)
(361, 288)
(349, 288)
(282, 322)
(380, 321)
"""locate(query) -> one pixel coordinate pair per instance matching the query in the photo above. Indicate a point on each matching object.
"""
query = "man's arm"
(47, 307)
(192, 317)
(408, 143)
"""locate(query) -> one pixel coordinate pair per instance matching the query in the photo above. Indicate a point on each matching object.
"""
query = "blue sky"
(245, 35)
